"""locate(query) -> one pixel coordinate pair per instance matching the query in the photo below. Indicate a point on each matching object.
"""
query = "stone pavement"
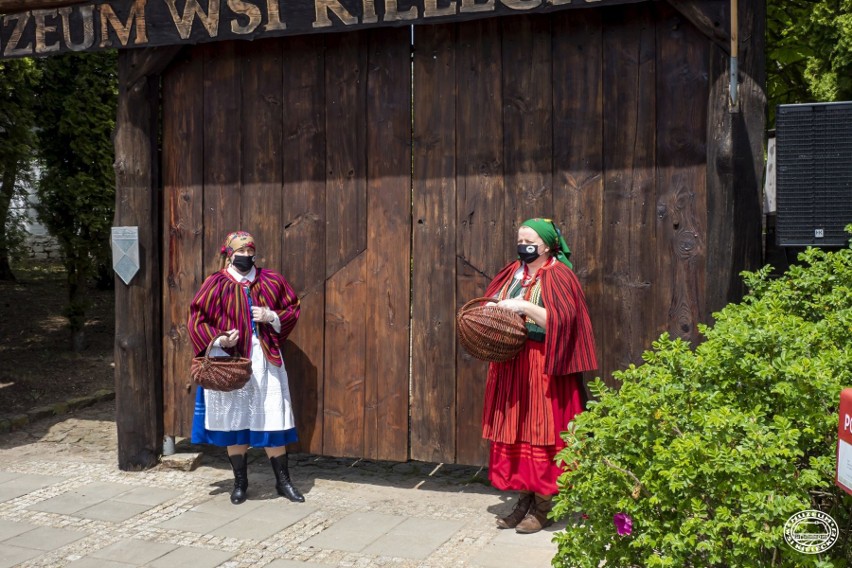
(64, 502)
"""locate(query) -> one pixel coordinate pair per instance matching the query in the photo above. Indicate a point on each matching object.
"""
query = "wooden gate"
(385, 174)
(306, 143)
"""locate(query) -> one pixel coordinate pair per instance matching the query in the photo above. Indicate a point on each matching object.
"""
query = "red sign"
(843, 478)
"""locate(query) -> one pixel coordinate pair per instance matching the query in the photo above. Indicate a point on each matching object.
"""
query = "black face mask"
(242, 263)
(528, 253)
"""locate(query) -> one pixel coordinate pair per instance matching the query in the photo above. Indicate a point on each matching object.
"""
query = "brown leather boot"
(536, 519)
(522, 507)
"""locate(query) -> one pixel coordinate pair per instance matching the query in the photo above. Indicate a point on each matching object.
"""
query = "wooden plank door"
(183, 224)
(386, 222)
(558, 117)
(305, 142)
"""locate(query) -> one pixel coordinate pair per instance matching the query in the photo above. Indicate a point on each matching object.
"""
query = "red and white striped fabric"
(530, 399)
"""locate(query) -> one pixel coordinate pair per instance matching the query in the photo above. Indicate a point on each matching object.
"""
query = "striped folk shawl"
(221, 304)
(569, 341)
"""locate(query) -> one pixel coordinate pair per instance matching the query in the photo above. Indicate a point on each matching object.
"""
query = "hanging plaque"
(125, 252)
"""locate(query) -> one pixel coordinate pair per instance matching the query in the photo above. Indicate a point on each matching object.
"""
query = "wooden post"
(138, 343)
(735, 140)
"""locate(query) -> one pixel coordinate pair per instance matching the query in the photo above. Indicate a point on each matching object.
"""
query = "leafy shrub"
(710, 451)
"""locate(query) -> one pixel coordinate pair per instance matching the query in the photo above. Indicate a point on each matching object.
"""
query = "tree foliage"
(808, 51)
(710, 451)
(18, 83)
(77, 107)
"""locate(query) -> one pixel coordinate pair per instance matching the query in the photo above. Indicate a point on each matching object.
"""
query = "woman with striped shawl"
(256, 309)
(530, 399)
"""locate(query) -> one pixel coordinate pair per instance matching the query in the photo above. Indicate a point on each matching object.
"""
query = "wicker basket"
(490, 333)
(224, 374)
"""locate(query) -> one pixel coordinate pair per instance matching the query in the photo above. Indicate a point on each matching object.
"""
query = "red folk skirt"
(525, 410)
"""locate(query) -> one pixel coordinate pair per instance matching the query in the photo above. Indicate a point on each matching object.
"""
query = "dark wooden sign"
(147, 23)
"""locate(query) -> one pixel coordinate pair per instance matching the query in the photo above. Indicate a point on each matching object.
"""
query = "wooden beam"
(480, 197)
(388, 169)
(12, 6)
(182, 260)
(433, 390)
(735, 140)
(706, 16)
(150, 61)
(138, 343)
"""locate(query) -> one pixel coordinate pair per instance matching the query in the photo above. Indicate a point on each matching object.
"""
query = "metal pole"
(168, 445)
(734, 80)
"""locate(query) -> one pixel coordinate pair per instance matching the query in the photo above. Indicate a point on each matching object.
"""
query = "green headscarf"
(552, 237)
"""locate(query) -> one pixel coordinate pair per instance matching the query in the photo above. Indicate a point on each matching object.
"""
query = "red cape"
(569, 341)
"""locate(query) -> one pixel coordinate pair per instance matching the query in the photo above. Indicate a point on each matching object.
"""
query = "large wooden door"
(305, 142)
(385, 173)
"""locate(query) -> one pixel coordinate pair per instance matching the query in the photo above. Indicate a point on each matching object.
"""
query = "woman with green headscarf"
(530, 399)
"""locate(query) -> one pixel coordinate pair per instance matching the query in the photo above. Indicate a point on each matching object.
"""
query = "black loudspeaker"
(813, 173)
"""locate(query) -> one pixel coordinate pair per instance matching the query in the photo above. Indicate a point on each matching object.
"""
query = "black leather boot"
(240, 466)
(282, 480)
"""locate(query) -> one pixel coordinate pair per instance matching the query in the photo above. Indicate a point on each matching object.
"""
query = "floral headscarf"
(235, 241)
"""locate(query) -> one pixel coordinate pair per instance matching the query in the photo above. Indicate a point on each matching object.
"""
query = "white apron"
(262, 405)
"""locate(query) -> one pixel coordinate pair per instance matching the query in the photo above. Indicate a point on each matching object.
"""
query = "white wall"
(38, 244)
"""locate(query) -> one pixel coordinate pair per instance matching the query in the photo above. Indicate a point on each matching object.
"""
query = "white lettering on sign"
(12, 43)
(847, 423)
(183, 23)
(103, 24)
(844, 464)
(136, 19)
(88, 16)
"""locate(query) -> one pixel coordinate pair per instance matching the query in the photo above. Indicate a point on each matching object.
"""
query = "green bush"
(710, 451)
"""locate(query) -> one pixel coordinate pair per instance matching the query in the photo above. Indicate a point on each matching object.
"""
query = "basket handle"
(483, 299)
(212, 341)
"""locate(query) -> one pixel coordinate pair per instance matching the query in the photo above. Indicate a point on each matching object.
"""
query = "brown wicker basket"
(224, 374)
(490, 333)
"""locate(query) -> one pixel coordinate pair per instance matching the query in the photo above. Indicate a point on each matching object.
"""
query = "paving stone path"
(64, 502)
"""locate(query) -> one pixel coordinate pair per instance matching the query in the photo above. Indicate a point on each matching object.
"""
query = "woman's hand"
(526, 310)
(228, 341)
(517, 306)
(262, 314)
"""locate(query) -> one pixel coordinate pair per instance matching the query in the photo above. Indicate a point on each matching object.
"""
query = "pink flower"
(623, 523)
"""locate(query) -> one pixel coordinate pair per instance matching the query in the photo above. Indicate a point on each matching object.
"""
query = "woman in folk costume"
(530, 399)
(256, 309)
